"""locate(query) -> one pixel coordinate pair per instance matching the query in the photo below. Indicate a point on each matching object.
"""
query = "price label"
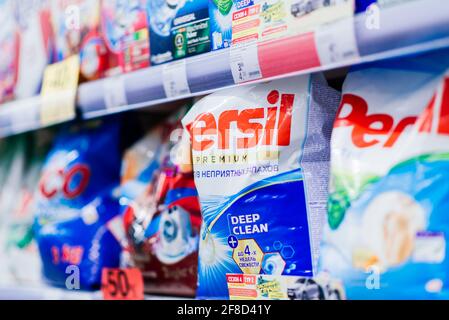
(114, 92)
(174, 76)
(59, 91)
(244, 61)
(332, 47)
(122, 284)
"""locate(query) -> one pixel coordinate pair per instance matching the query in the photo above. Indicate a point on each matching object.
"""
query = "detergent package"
(76, 24)
(9, 47)
(260, 156)
(36, 45)
(76, 204)
(21, 255)
(163, 220)
(387, 225)
(178, 29)
(125, 29)
(220, 12)
(241, 21)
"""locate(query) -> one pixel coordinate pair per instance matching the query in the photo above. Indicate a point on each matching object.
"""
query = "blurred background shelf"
(408, 28)
(49, 293)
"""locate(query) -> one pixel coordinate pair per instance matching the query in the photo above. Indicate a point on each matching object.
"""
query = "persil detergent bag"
(260, 158)
(75, 204)
(388, 217)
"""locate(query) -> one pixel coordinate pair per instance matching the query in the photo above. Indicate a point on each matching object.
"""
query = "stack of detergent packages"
(260, 156)
(162, 217)
(75, 205)
(22, 159)
(124, 27)
(387, 225)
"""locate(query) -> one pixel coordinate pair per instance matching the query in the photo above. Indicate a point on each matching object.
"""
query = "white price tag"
(174, 76)
(336, 42)
(114, 92)
(244, 61)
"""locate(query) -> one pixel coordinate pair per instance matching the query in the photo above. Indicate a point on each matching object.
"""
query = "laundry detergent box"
(76, 24)
(387, 225)
(124, 25)
(260, 158)
(37, 47)
(178, 29)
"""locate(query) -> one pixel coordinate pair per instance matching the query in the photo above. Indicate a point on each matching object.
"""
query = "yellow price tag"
(59, 91)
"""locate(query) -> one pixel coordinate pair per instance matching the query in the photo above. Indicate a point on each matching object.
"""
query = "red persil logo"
(207, 132)
(367, 129)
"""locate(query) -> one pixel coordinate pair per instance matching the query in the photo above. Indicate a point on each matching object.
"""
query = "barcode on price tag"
(244, 61)
(174, 77)
(114, 92)
(332, 46)
(59, 91)
(122, 284)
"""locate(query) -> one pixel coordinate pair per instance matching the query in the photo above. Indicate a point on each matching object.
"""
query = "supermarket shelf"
(20, 116)
(409, 28)
(49, 293)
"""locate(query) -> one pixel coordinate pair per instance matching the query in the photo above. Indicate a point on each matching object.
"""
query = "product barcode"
(254, 73)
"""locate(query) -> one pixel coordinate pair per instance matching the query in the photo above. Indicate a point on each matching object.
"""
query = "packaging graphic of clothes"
(260, 157)
(77, 31)
(124, 25)
(37, 48)
(387, 225)
(178, 29)
(163, 222)
(9, 46)
(76, 204)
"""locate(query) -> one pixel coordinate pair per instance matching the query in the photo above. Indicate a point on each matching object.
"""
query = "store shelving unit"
(410, 28)
(44, 292)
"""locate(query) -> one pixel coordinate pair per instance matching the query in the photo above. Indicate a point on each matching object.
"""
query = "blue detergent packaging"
(260, 158)
(387, 226)
(220, 12)
(178, 29)
(75, 204)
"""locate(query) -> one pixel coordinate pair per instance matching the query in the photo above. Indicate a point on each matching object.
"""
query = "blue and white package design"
(387, 225)
(260, 157)
(178, 29)
(75, 205)
(220, 12)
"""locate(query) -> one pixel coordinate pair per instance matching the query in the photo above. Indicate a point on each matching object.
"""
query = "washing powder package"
(233, 22)
(9, 47)
(220, 13)
(260, 156)
(76, 24)
(76, 204)
(124, 25)
(387, 225)
(178, 29)
(163, 220)
(21, 254)
(36, 45)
